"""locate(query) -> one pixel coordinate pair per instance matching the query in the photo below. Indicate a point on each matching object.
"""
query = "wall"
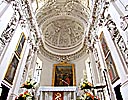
(47, 70)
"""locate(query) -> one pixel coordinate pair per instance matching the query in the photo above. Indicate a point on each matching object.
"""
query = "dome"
(63, 26)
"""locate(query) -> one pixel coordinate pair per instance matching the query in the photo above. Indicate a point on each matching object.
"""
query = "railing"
(57, 93)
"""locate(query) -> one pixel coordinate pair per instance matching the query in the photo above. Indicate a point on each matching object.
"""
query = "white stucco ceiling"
(63, 25)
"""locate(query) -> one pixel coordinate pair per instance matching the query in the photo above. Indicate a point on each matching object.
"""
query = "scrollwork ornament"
(7, 34)
(124, 22)
(118, 39)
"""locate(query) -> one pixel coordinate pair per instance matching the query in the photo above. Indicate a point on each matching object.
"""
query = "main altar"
(57, 93)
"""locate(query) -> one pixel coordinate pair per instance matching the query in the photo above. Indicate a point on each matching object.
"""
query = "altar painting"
(63, 75)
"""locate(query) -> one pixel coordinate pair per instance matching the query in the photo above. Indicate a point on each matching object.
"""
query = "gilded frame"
(109, 60)
(20, 45)
(111, 69)
(63, 69)
(104, 44)
(10, 74)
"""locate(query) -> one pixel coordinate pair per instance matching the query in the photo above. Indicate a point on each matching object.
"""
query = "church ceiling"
(63, 25)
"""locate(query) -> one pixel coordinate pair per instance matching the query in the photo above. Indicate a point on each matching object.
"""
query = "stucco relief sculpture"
(63, 33)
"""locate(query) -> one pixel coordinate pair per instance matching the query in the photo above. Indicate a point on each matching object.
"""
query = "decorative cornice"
(59, 58)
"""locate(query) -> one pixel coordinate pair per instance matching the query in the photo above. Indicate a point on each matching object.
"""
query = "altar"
(57, 93)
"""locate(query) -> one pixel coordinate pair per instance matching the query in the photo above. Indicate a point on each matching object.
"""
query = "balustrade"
(57, 93)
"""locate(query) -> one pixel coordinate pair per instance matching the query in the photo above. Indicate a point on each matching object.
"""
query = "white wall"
(47, 70)
(116, 10)
(5, 16)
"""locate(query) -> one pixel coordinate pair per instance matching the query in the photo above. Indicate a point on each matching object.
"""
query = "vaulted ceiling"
(63, 25)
